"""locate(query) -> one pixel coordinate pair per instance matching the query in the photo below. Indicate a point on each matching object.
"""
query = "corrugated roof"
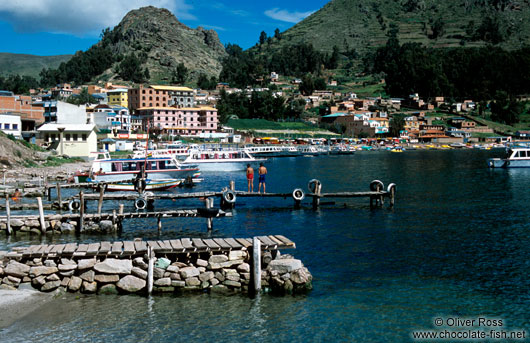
(172, 88)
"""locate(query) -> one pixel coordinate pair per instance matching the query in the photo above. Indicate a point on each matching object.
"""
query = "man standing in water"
(250, 178)
(262, 171)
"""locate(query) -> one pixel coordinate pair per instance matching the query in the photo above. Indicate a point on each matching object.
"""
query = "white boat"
(107, 169)
(264, 150)
(151, 185)
(177, 152)
(516, 158)
(220, 159)
(308, 150)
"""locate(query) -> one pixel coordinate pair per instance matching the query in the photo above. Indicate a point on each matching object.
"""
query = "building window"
(75, 137)
(67, 137)
(143, 98)
(6, 126)
(83, 137)
(15, 126)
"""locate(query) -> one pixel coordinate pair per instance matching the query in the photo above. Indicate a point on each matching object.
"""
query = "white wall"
(11, 125)
(71, 114)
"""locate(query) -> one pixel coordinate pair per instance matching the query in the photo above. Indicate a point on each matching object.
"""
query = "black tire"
(229, 196)
(391, 188)
(374, 185)
(298, 194)
(74, 205)
(312, 185)
(140, 203)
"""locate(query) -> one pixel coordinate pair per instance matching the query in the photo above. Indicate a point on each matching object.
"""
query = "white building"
(61, 112)
(10, 124)
(78, 140)
(114, 118)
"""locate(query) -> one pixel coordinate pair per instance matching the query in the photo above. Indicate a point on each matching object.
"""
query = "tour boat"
(341, 150)
(107, 169)
(516, 158)
(151, 185)
(178, 152)
(308, 150)
(220, 159)
(264, 150)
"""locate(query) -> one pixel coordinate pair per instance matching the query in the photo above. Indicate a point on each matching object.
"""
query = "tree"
(307, 86)
(397, 123)
(277, 34)
(83, 98)
(505, 109)
(262, 37)
(180, 75)
(320, 84)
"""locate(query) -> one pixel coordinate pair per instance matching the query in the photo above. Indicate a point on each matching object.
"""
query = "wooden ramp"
(139, 247)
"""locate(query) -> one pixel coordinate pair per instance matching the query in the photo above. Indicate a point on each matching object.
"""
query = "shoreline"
(17, 304)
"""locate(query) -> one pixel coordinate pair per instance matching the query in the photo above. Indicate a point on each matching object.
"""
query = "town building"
(113, 119)
(180, 121)
(62, 91)
(61, 112)
(160, 96)
(10, 124)
(30, 116)
(118, 97)
(78, 140)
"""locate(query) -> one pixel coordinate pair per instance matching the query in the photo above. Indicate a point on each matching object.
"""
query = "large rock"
(16, 223)
(88, 276)
(172, 269)
(300, 276)
(131, 284)
(42, 270)
(237, 255)
(106, 226)
(53, 277)
(163, 282)
(75, 284)
(206, 276)
(114, 266)
(86, 263)
(193, 282)
(139, 272)
(158, 273)
(89, 287)
(67, 227)
(178, 283)
(284, 265)
(201, 263)
(50, 286)
(243, 268)
(139, 262)
(67, 267)
(17, 269)
(188, 272)
(38, 281)
(106, 278)
(232, 283)
(108, 289)
(218, 259)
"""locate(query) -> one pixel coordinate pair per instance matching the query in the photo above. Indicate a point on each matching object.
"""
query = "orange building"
(30, 116)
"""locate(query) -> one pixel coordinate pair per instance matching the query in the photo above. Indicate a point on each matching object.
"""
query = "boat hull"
(151, 174)
(150, 186)
(224, 165)
(504, 163)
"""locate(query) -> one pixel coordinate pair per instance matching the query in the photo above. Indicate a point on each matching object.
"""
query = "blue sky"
(54, 27)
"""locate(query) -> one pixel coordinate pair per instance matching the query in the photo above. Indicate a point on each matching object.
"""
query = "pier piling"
(8, 212)
(41, 215)
(81, 212)
(59, 198)
(150, 269)
(256, 264)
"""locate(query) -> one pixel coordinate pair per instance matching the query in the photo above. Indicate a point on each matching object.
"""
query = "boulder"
(50, 263)
(201, 263)
(67, 273)
(67, 267)
(67, 227)
(53, 277)
(16, 223)
(67, 261)
(89, 287)
(42, 270)
(65, 281)
(219, 276)
(237, 255)
(232, 283)
(233, 277)
(214, 282)
(172, 269)
(139, 272)
(218, 258)
(88, 276)
(114, 266)
(139, 262)
(106, 278)
(189, 272)
(163, 282)
(17, 269)
(33, 223)
(300, 276)
(38, 281)
(86, 263)
(75, 284)
(284, 265)
(243, 268)
(178, 283)
(206, 276)
(108, 289)
(106, 226)
(193, 281)
(50, 286)
(14, 280)
(158, 273)
(131, 284)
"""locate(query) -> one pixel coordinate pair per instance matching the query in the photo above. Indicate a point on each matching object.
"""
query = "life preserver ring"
(312, 185)
(74, 205)
(229, 196)
(298, 194)
(140, 203)
(376, 185)
(391, 188)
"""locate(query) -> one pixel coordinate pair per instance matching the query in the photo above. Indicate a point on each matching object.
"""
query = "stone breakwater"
(58, 224)
(203, 272)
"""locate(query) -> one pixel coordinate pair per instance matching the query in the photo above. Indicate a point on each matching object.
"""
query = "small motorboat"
(150, 185)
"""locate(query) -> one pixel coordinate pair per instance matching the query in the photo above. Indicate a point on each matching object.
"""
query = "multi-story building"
(79, 140)
(160, 96)
(118, 97)
(10, 124)
(116, 119)
(62, 112)
(180, 121)
(30, 116)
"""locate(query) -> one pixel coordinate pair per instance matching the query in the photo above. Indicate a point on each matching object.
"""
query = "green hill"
(30, 65)
(364, 24)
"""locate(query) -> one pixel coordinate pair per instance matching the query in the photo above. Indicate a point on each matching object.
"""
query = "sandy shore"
(16, 304)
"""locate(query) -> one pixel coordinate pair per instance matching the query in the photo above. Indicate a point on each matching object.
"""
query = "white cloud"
(285, 15)
(79, 17)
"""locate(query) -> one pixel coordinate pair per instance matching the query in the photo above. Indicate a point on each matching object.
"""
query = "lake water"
(456, 244)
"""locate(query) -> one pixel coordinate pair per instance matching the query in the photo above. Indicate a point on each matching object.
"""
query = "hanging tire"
(298, 194)
(74, 205)
(229, 196)
(376, 185)
(391, 188)
(312, 185)
(140, 203)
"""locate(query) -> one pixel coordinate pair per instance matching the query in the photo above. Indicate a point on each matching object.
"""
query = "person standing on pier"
(250, 178)
(262, 171)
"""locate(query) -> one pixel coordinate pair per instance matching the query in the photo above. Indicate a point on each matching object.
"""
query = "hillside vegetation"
(28, 65)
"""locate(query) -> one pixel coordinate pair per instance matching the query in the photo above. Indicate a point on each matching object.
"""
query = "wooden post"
(392, 196)
(159, 223)
(120, 211)
(256, 263)
(232, 185)
(8, 211)
(209, 220)
(316, 197)
(49, 191)
(150, 269)
(41, 215)
(59, 198)
(114, 217)
(120, 220)
(81, 211)
(100, 201)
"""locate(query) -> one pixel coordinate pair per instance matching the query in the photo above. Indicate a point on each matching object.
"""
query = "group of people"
(262, 171)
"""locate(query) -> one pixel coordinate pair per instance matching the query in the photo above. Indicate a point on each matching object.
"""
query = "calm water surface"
(456, 244)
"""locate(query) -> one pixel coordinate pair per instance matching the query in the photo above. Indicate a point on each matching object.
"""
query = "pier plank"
(275, 240)
(176, 245)
(267, 241)
(244, 242)
(105, 248)
(154, 245)
(165, 246)
(222, 243)
(199, 244)
(58, 249)
(116, 248)
(285, 240)
(70, 248)
(211, 244)
(128, 248)
(186, 243)
(233, 243)
(81, 250)
(30, 250)
(49, 248)
(140, 246)
(93, 249)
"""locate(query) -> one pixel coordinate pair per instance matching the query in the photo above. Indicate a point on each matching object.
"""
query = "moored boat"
(151, 185)
(515, 158)
(220, 159)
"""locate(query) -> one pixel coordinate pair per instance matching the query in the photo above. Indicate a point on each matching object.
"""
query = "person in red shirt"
(250, 178)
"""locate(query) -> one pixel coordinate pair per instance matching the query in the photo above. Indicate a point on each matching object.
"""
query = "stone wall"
(58, 224)
(203, 272)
